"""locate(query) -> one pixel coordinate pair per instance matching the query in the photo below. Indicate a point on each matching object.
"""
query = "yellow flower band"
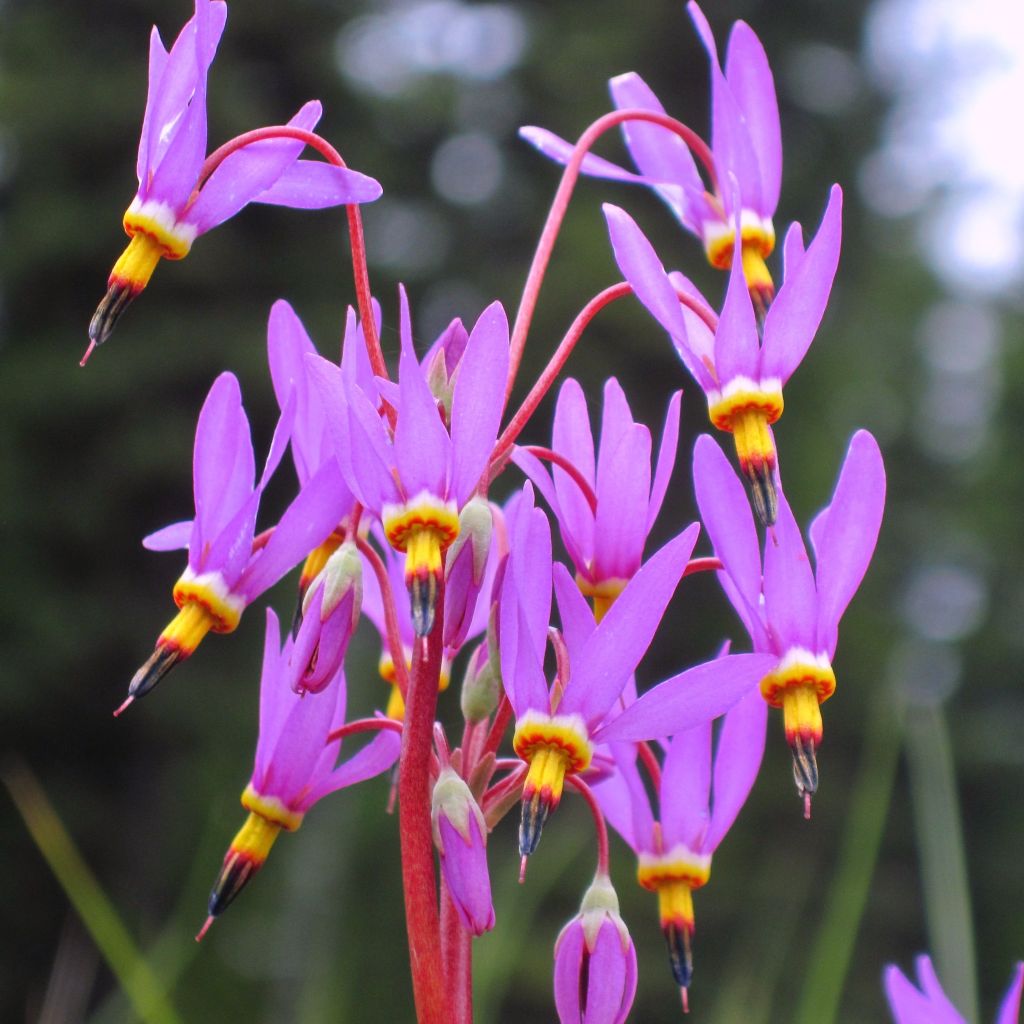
(679, 865)
(603, 593)
(270, 809)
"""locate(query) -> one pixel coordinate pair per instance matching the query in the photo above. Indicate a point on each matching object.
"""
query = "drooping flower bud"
(460, 834)
(330, 614)
(595, 961)
(464, 570)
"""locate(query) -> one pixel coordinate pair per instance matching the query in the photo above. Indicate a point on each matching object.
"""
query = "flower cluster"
(394, 520)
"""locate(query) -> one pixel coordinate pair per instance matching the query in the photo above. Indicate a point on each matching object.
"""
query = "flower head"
(225, 572)
(926, 1003)
(788, 609)
(295, 765)
(741, 370)
(595, 961)
(173, 206)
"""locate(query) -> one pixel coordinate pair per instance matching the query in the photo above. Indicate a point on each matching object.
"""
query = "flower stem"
(546, 243)
(357, 241)
(557, 459)
(390, 614)
(599, 826)
(417, 843)
(458, 961)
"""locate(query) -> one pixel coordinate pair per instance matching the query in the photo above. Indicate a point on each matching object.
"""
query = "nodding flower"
(696, 801)
(418, 478)
(926, 1003)
(172, 206)
(224, 572)
(746, 144)
(605, 541)
(295, 766)
(741, 370)
(790, 610)
(558, 727)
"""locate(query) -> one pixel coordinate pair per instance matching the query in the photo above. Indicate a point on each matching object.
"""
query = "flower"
(926, 1003)
(788, 609)
(460, 834)
(557, 728)
(295, 766)
(606, 541)
(595, 961)
(746, 145)
(173, 206)
(419, 479)
(741, 375)
(225, 572)
(697, 800)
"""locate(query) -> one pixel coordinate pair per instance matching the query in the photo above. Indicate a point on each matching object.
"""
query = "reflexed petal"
(686, 787)
(559, 150)
(478, 400)
(157, 66)
(929, 982)
(790, 598)
(624, 802)
(751, 82)
(736, 348)
(792, 250)
(1009, 1009)
(577, 619)
(376, 757)
(170, 538)
(315, 185)
(623, 488)
(847, 534)
(908, 1005)
(666, 459)
(798, 307)
(275, 694)
(685, 700)
(738, 754)
(572, 437)
(619, 643)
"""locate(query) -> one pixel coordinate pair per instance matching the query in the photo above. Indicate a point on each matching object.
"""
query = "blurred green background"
(922, 345)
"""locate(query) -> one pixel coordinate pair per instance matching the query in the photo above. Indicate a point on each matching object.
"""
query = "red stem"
(357, 241)
(563, 463)
(501, 720)
(364, 725)
(599, 826)
(458, 961)
(394, 637)
(650, 761)
(702, 565)
(546, 243)
(417, 842)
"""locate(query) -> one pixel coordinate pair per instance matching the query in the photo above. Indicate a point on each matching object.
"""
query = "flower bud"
(481, 686)
(464, 570)
(595, 962)
(460, 834)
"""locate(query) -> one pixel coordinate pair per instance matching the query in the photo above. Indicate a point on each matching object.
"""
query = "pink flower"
(926, 1003)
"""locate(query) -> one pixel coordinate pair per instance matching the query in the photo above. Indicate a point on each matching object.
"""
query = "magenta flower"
(697, 801)
(606, 542)
(295, 765)
(224, 572)
(926, 1003)
(558, 728)
(595, 961)
(788, 609)
(460, 834)
(172, 206)
(419, 479)
(741, 375)
(746, 145)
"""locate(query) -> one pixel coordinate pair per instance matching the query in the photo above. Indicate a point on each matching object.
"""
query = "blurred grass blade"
(832, 948)
(940, 843)
(88, 898)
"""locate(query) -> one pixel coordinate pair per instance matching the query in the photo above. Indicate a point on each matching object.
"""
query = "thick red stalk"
(357, 242)
(458, 961)
(417, 842)
(546, 243)
(599, 826)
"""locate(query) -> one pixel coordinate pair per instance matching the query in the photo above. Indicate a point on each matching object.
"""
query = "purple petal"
(790, 599)
(929, 982)
(464, 865)
(571, 437)
(618, 644)
(606, 977)
(561, 151)
(666, 459)
(279, 442)
(751, 82)
(909, 1006)
(577, 619)
(685, 700)
(157, 65)
(623, 489)
(848, 533)
(314, 185)
(376, 757)
(725, 513)
(171, 538)
(248, 172)
(306, 523)
(274, 694)
(792, 250)
(738, 756)
(686, 787)
(624, 801)
(477, 401)
(736, 349)
(569, 949)
(223, 465)
(798, 307)
(1009, 1009)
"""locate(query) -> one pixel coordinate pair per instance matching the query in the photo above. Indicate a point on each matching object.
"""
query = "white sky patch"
(952, 146)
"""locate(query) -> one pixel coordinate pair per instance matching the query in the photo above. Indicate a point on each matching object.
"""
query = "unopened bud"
(465, 566)
(481, 687)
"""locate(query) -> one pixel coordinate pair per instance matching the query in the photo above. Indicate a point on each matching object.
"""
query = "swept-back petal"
(314, 185)
(157, 65)
(689, 698)
(477, 400)
(170, 538)
(666, 459)
(1009, 1008)
(616, 647)
(576, 617)
(738, 754)
(623, 491)
(910, 1006)
(790, 597)
(736, 348)
(275, 694)
(624, 801)
(848, 532)
(796, 312)
(376, 757)
(572, 437)
(686, 787)
(559, 150)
